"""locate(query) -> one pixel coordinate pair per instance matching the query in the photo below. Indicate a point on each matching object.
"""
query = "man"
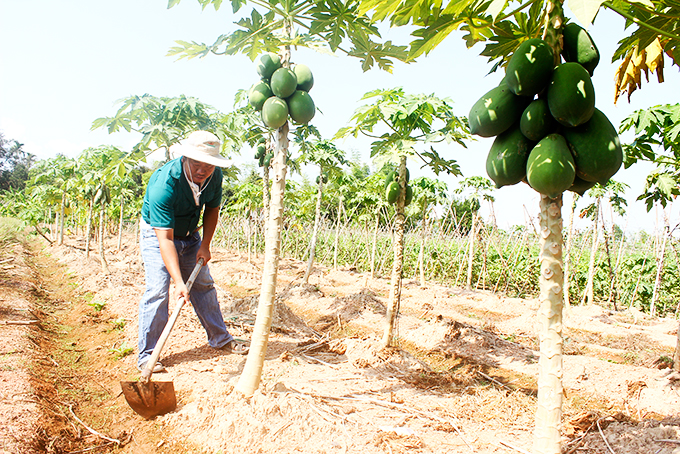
(171, 246)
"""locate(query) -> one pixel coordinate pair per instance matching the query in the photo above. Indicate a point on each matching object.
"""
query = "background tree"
(14, 164)
(407, 120)
(428, 193)
(328, 158)
(162, 121)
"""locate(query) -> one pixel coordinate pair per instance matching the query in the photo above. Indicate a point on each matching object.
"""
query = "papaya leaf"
(438, 164)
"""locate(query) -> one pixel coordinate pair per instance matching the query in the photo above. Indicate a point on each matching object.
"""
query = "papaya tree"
(328, 158)
(270, 36)
(400, 125)
(428, 193)
(162, 121)
(59, 172)
(476, 188)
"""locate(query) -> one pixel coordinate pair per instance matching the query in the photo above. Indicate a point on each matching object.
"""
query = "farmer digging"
(171, 245)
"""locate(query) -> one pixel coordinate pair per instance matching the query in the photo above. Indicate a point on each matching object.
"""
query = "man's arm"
(171, 261)
(210, 218)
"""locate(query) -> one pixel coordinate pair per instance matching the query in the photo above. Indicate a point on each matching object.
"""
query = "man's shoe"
(233, 346)
(157, 368)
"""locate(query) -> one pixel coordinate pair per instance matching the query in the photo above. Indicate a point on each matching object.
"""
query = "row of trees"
(400, 123)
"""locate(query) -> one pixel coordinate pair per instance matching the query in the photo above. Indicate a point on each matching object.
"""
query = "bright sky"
(66, 63)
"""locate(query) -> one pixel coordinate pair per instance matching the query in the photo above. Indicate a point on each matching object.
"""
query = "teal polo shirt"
(169, 202)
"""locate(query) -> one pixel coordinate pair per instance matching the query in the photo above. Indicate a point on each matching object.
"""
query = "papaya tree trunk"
(88, 231)
(589, 295)
(397, 266)
(120, 223)
(250, 378)
(551, 283)
(567, 250)
(375, 243)
(315, 232)
(265, 192)
(676, 355)
(659, 271)
(550, 391)
(471, 251)
(421, 252)
(61, 218)
(105, 266)
(336, 241)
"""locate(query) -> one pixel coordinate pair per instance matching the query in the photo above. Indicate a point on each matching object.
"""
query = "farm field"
(463, 379)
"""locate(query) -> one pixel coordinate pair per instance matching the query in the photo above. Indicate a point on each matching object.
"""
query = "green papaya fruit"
(408, 195)
(579, 47)
(301, 107)
(305, 79)
(258, 94)
(391, 176)
(506, 163)
(571, 95)
(283, 82)
(275, 112)
(536, 121)
(530, 67)
(267, 159)
(596, 148)
(392, 192)
(580, 186)
(496, 111)
(550, 167)
(261, 150)
(267, 64)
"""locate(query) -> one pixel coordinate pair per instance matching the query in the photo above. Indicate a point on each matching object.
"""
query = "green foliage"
(11, 231)
(408, 120)
(14, 164)
(97, 305)
(121, 351)
(656, 140)
(325, 25)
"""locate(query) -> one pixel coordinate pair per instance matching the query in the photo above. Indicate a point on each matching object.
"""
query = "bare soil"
(462, 380)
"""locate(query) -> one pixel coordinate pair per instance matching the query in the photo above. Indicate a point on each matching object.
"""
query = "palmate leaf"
(371, 53)
(439, 164)
(335, 21)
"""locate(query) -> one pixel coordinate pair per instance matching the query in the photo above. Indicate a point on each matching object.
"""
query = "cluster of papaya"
(263, 157)
(548, 132)
(393, 188)
(282, 92)
(324, 178)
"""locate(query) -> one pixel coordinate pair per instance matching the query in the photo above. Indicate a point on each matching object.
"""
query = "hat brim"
(218, 161)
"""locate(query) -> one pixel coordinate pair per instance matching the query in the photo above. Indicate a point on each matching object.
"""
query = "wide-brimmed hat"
(201, 146)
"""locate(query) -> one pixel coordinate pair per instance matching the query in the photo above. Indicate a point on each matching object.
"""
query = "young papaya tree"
(400, 125)
(59, 172)
(270, 36)
(328, 158)
(477, 188)
(428, 194)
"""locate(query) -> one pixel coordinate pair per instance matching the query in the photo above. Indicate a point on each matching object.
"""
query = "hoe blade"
(151, 398)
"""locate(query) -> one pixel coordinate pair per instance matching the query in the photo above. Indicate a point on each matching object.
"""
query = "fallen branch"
(508, 445)
(604, 438)
(490, 378)
(20, 322)
(677, 442)
(89, 429)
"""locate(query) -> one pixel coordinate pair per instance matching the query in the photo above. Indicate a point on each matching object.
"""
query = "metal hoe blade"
(148, 398)
(151, 398)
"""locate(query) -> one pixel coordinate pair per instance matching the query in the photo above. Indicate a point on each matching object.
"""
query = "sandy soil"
(463, 379)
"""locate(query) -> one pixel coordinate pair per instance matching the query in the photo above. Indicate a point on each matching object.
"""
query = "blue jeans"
(153, 307)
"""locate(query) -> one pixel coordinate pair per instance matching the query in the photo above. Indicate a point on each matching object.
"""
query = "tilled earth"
(463, 379)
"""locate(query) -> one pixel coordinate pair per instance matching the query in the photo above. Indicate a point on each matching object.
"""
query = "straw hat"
(201, 146)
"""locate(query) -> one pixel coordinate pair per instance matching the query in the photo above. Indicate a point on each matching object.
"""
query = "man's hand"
(171, 261)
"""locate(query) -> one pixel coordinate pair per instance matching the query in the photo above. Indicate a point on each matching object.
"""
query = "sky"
(66, 63)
